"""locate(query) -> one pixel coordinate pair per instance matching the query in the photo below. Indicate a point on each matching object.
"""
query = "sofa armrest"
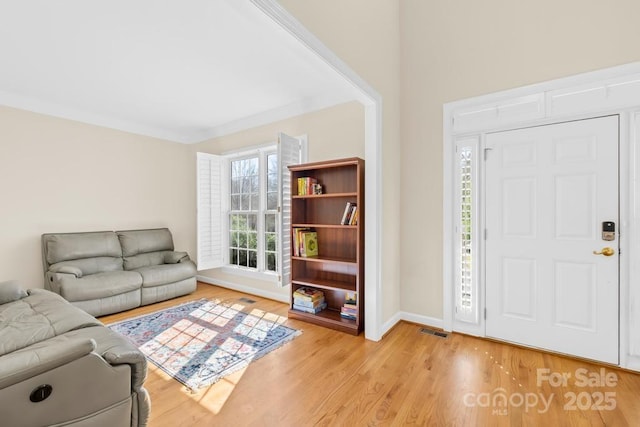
(174, 257)
(27, 363)
(66, 269)
(52, 281)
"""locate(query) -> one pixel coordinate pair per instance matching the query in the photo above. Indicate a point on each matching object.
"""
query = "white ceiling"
(182, 70)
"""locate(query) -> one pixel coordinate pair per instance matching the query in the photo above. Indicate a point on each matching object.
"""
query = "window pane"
(272, 182)
(244, 202)
(271, 242)
(242, 258)
(253, 259)
(233, 241)
(252, 241)
(466, 297)
(235, 203)
(233, 257)
(272, 164)
(270, 223)
(255, 202)
(271, 261)
(272, 201)
(252, 222)
(242, 240)
(235, 185)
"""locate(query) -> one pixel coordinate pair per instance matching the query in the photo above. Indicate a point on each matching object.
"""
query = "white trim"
(245, 289)
(413, 318)
(373, 158)
(266, 117)
(265, 276)
(605, 99)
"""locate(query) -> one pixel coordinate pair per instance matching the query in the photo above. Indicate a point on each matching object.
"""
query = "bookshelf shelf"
(325, 283)
(326, 259)
(336, 226)
(324, 196)
(337, 271)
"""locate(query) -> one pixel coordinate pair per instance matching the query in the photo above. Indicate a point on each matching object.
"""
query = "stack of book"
(350, 308)
(306, 186)
(305, 242)
(309, 300)
(350, 215)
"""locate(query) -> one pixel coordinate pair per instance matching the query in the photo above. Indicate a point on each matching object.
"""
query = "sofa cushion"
(157, 275)
(11, 291)
(89, 265)
(69, 246)
(39, 316)
(99, 285)
(136, 242)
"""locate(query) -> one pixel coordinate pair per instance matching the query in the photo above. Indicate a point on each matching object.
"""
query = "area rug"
(200, 342)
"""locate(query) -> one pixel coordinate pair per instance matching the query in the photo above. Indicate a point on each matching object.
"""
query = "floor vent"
(432, 332)
(247, 300)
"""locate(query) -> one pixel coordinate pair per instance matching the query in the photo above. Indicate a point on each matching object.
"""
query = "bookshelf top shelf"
(331, 164)
(325, 195)
(314, 225)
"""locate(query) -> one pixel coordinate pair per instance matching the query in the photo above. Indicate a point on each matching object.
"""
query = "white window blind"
(212, 184)
(289, 153)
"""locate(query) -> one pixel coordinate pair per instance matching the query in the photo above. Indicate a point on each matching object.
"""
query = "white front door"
(549, 189)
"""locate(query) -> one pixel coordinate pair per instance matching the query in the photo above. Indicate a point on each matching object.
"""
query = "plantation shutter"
(212, 190)
(289, 153)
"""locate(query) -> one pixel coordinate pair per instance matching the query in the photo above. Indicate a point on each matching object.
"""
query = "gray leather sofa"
(61, 366)
(107, 272)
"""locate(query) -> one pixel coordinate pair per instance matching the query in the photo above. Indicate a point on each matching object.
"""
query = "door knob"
(605, 251)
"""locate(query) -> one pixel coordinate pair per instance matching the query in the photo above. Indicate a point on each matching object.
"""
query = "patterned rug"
(202, 341)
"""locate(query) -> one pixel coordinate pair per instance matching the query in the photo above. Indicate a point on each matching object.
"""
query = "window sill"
(257, 275)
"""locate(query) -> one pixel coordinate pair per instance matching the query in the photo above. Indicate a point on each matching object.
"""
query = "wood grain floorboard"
(328, 378)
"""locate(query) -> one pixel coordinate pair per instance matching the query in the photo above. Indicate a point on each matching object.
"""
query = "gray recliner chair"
(61, 366)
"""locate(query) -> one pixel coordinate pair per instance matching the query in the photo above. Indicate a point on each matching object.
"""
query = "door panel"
(548, 190)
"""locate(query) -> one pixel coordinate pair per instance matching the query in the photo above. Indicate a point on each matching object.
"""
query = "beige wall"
(365, 34)
(61, 176)
(455, 50)
(332, 133)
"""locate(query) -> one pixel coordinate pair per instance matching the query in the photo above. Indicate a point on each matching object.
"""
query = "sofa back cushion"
(142, 248)
(76, 246)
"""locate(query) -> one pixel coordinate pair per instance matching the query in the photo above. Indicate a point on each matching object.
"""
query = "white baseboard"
(243, 288)
(413, 318)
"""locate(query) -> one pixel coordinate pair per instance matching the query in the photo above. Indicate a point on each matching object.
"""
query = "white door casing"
(548, 190)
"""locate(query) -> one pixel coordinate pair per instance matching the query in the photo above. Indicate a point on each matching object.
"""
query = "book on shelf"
(296, 239)
(309, 244)
(305, 303)
(305, 242)
(353, 218)
(308, 294)
(347, 316)
(350, 298)
(350, 215)
(306, 185)
(311, 310)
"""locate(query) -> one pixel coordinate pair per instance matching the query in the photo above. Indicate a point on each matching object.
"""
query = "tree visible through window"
(243, 216)
(253, 214)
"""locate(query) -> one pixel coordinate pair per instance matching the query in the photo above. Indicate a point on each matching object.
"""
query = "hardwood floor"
(328, 378)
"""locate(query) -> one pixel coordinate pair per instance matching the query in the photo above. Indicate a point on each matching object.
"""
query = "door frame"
(612, 91)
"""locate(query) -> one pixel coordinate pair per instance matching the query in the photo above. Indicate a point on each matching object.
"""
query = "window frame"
(261, 154)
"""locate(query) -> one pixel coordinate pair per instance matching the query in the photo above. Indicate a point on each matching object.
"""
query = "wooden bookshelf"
(339, 266)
